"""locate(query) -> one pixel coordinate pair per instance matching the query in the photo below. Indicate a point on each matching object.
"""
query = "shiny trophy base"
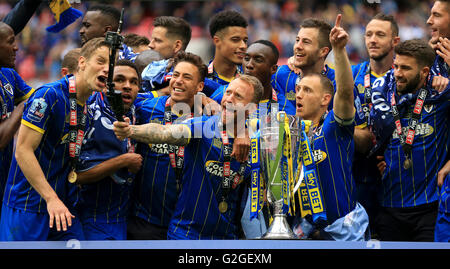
(279, 229)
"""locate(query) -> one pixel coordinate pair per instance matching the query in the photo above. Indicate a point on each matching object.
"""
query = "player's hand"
(439, 83)
(338, 36)
(241, 148)
(381, 165)
(445, 170)
(443, 49)
(134, 162)
(210, 107)
(59, 214)
(122, 129)
(290, 64)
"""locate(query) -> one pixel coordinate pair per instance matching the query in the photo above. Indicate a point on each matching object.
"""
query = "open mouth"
(178, 90)
(126, 97)
(102, 79)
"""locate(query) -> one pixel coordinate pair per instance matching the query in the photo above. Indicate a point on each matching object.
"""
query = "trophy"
(280, 147)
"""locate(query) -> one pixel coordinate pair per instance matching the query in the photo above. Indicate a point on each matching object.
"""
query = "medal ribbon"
(311, 180)
(255, 205)
(227, 182)
(76, 129)
(408, 141)
(176, 159)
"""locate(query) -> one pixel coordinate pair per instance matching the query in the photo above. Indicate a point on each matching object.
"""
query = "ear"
(200, 86)
(323, 52)
(64, 71)
(81, 63)
(108, 28)
(178, 45)
(216, 40)
(326, 99)
(273, 69)
(424, 72)
(395, 41)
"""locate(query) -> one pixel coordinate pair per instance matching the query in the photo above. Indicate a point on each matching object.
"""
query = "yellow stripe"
(25, 96)
(155, 93)
(32, 126)
(225, 78)
(362, 125)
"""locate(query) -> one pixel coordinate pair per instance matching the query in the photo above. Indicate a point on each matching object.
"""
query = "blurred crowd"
(40, 52)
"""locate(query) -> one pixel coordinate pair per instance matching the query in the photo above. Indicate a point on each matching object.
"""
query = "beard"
(410, 86)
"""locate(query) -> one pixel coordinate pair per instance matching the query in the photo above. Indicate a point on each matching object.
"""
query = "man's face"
(407, 73)
(185, 83)
(258, 62)
(379, 39)
(439, 21)
(309, 97)
(235, 100)
(8, 47)
(161, 43)
(93, 25)
(306, 47)
(231, 44)
(95, 69)
(126, 80)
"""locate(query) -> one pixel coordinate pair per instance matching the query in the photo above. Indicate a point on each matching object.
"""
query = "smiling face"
(231, 44)
(235, 99)
(306, 48)
(185, 83)
(8, 46)
(94, 70)
(439, 21)
(379, 39)
(407, 73)
(126, 80)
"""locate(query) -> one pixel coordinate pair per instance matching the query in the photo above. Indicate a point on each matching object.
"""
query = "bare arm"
(107, 168)
(9, 127)
(153, 133)
(28, 141)
(343, 105)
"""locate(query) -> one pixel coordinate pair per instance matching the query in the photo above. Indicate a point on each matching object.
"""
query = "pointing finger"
(338, 21)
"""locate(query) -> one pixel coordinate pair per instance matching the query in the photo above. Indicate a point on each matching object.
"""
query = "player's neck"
(317, 67)
(383, 65)
(83, 91)
(267, 91)
(223, 67)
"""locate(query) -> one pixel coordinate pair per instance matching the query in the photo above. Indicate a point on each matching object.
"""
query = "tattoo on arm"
(153, 133)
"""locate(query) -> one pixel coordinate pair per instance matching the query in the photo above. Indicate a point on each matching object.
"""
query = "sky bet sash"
(311, 181)
(255, 178)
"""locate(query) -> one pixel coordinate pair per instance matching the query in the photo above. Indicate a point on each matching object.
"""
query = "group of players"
(177, 165)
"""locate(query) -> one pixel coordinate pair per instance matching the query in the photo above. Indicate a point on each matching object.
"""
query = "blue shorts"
(442, 230)
(105, 231)
(18, 225)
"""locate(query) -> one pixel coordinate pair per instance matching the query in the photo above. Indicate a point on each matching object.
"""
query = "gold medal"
(72, 176)
(407, 164)
(223, 207)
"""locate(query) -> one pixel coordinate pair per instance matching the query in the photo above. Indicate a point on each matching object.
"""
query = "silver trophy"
(273, 145)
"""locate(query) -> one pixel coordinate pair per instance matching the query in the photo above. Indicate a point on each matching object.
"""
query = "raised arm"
(343, 105)
(153, 133)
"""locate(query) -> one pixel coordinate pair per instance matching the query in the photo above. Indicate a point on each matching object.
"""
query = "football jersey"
(13, 91)
(440, 67)
(214, 76)
(47, 111)
(105, 201)
(197, 214)
(417, 185)
(332, 149)
(284, 80)
(155, 195)
(364, 169)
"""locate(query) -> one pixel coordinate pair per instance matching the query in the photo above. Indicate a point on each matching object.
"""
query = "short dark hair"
(325, 82)
(112, 13)
(135, 40)
(125, 62)
(323, 33)
(418, 49)
(176, 27)
(388, 18)
(194, 59)
(70, 60)
(224, 19)
(276, 53)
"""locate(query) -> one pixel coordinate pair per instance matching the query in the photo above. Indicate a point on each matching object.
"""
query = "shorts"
(105, 231)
